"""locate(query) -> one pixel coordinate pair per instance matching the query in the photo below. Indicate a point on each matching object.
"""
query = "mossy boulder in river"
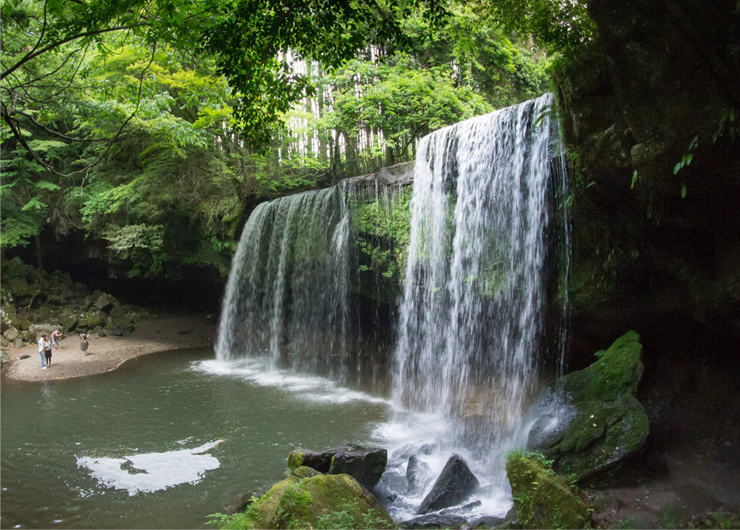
(543, 499)
(363, 463)
(595, 420)
(318, 501)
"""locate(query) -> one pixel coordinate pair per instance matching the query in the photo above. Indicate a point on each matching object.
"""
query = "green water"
(160, 404)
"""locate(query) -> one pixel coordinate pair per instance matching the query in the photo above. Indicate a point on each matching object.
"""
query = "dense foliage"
(155, 127)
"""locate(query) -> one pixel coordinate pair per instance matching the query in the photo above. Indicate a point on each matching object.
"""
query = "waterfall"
(287, 298)
(472, 315)
(292, 299)
(487, 217)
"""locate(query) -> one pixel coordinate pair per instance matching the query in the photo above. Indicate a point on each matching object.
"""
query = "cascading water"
(289, 300)
(472, 316)
(288, 292)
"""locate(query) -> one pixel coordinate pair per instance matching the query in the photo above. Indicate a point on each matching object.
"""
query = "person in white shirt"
(43, 344)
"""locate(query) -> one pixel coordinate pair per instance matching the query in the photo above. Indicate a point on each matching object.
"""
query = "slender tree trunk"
(350, 150)
(337, 171)
(309, 110)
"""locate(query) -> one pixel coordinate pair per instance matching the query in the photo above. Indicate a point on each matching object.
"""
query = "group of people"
(46, 346)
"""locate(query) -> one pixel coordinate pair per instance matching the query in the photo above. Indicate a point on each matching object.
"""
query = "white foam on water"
(308, 387)
(150, 472)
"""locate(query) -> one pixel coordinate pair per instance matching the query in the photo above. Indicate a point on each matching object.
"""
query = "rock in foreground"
(543, 499)
(318, 501)
(455, 484)
(363, 463)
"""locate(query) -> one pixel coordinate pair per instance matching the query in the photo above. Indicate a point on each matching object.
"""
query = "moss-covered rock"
(68, 319)
(363, 463)
(96, 319)
(601, 422)
(543, 499)
(320, 501)
(719, 519)
(19, 287)
(305, 472)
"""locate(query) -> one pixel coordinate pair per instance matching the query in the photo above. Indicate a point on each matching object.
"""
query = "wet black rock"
(365, 464)
(434, 520)
(455, 484)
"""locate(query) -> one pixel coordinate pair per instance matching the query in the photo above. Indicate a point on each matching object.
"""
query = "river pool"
(165, 440)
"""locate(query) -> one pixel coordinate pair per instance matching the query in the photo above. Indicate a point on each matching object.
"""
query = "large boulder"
(117, 312)
(455, 484)
(598, 422)
(19, 287)
(15, 268)
(68, 319)
(105, 302)
(37, 330)
(363, 463)
(319, 501)
(543, 499)
(10, 334)
(44, 313)
(96, 318)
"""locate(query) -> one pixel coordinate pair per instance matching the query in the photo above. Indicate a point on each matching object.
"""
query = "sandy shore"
(161, 333)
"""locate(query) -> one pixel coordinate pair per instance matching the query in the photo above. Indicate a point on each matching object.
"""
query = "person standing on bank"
(56, 336)
(42, 351)
(47, 352)
(84, 343)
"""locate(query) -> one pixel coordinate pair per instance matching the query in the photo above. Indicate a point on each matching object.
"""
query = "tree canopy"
(153, 126)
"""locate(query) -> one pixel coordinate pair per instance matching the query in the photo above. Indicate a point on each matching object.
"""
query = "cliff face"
(648, 113)
(652, 123)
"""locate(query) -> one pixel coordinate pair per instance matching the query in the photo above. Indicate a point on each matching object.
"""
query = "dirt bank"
(161, 333)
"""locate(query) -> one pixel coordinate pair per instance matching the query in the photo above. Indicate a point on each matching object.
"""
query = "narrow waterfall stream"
(471, 324)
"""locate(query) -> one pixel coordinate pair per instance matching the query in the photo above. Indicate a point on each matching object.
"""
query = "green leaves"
(258, 42)
(685, 162)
